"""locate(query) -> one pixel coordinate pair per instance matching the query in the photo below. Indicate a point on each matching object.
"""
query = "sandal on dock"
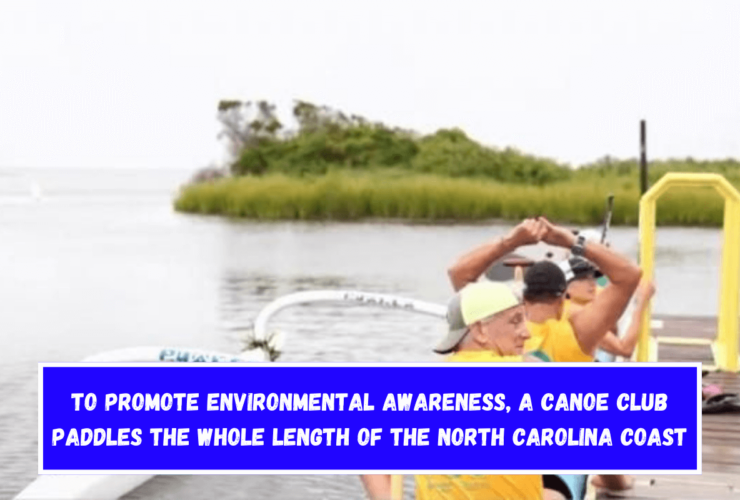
(721, 403)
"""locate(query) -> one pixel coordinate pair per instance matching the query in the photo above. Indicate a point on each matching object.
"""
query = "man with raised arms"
(555, 338)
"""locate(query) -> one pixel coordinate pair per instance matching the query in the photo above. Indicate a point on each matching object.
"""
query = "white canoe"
(109, 487)
(112, 487)
(264, 347)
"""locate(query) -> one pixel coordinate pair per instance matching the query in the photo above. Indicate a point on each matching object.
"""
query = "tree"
(245, 125)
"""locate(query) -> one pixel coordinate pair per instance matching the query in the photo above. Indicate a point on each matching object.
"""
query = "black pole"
(643, 158)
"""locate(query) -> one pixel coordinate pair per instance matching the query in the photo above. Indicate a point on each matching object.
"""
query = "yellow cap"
(481, 300)
(473, 303)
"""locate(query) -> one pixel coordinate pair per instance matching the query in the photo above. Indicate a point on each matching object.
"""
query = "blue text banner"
(338, 418)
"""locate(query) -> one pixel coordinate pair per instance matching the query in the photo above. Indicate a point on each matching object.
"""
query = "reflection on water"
(102, 262)
(672, 256)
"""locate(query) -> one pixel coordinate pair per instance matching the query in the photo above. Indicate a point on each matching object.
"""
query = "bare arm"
(473, 264)
(592, 322)
(625, 346)
(377, 486)
(612, 344)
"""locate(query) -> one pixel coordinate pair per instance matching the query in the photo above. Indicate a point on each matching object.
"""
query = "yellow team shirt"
(555, 340)
(479, 487)
(462, 487)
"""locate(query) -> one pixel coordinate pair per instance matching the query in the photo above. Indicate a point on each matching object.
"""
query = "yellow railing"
(725, 346)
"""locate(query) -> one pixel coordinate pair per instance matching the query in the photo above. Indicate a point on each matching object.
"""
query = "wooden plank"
(720, 433)
(720, 441)
(728, 428)
(721, 468)
(708, 436)
(688, 325)
(718, 454)
(707, 477)
(721, 419)
(706, 486)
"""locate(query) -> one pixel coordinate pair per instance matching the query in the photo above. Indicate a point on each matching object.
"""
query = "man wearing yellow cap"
(486, 324)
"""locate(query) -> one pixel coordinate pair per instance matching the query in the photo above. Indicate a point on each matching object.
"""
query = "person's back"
(463, 487)
(552, 334)
(555, 340)
(583, 289)
(479, 487)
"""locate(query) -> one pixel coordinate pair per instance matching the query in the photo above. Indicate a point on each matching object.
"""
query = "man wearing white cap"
(486, 324)
(486, 318)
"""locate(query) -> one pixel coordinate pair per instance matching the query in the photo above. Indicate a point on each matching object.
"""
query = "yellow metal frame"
(725, 346)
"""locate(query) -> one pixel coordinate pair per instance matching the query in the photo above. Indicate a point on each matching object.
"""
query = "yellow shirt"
(513, 487)
(481, 357)
(555, 340)
(462, 487)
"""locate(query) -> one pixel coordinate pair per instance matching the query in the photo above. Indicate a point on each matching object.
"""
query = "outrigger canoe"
(263, 346)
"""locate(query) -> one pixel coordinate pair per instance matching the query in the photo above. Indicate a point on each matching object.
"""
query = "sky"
(135, 84)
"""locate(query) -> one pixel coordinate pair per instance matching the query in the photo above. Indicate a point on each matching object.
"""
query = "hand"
(556, 235)
(529, 232)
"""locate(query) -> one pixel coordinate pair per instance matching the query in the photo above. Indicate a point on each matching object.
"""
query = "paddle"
(607, 222)
(607, 217)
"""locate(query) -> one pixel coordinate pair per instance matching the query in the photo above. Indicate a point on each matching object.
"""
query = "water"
(97, 260)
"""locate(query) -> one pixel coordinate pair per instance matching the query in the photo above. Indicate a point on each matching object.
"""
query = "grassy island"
(338, 167)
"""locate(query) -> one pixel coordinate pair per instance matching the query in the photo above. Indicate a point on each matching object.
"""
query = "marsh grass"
(346, 196)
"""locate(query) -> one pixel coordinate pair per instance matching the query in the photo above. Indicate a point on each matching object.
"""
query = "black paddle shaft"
(607, 216)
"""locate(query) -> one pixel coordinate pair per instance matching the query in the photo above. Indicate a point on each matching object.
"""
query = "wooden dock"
(720, 478)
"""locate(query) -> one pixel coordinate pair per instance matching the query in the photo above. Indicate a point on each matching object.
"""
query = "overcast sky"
(136, 83)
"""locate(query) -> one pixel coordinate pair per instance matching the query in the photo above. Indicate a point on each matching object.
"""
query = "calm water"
(95, 260)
